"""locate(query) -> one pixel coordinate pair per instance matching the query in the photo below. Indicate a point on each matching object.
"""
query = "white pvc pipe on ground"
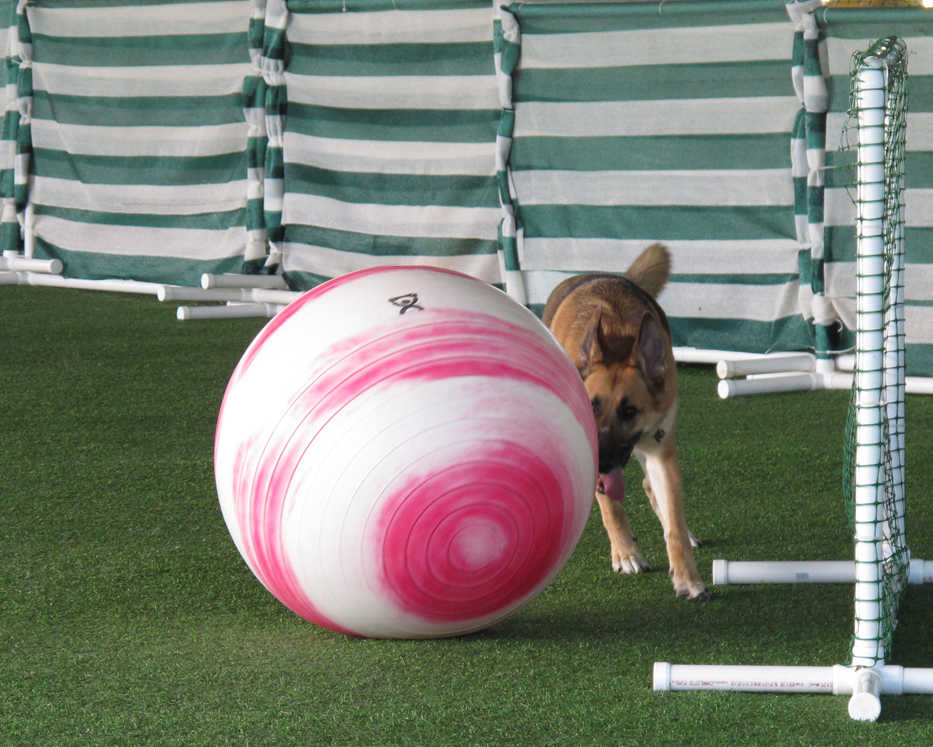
(244, 295)
(684, 354)
(271, 295)
(796, 381)
(18, 263)
(865, 685)
(805, 571)
(784, 363)
(918, 385)
(229, 311)
(116, 286)
(868, 644)
(186, 293)
(771, 384)
(782, 572)
(237, 280)
(748, 678)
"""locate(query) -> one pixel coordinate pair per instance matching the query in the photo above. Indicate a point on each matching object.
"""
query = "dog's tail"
(651, 270)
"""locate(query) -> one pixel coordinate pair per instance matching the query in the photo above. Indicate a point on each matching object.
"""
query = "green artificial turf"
(128, 617)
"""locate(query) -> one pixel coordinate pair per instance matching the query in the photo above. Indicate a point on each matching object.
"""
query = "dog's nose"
(615, 454)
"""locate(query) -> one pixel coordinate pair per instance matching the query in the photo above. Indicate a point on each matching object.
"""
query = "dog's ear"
(591, 346)
(604, 341)
(652, 357)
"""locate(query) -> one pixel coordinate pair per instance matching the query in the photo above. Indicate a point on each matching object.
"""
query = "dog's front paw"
(629, 562)
(690, 586)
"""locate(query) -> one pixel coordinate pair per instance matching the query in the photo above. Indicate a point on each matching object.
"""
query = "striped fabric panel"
(808, 161)
(272, 65)
(633, 126)
(848, 32)
(9, 126)
(139, 137)
(254, 110)
(390, 139)
(507, 37)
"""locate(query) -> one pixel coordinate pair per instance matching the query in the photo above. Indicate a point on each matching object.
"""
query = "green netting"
(874, 444)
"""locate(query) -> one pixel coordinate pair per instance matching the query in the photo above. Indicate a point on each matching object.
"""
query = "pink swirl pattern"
(464, 487)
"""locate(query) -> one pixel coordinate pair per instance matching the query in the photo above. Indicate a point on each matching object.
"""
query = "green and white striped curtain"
(9, 128)
(634, 124)
(389, 138)
(159, 140)
(139, 137)
(847, 31)
(808, 169)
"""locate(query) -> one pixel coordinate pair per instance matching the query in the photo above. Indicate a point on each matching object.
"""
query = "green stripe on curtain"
(848, 31)
(140, 165)
(9, 127)
(24, 126)
(390, 138)
(634, 126)
(254, 112)
(808, 161)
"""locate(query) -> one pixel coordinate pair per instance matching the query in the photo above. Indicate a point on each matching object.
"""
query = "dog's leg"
(646, 484)
(626, 557)
(665, 490)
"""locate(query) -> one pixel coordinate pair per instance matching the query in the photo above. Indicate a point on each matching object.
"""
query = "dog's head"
(625, 372)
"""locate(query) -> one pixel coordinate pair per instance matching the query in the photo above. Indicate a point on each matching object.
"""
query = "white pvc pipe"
(18, 263)
(802, 382)
(867, 644)
(845, 362)
(787, 363)
(749, 678)
(772, 384)
(29, 230)
(244, 295)
(782, 572)
(270, 295)
(835, 680)
(837, 379)
(712, 357)
(865, 703)
(230, 311)
(116, 286)
(185, 293)
(920, 572)
(806, 571)
(237, 280)
(918, 385)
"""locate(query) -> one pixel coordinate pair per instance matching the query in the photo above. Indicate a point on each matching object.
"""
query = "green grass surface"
(128, 617)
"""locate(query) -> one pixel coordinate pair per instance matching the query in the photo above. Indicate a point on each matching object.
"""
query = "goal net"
(873, 478)
(874, 442)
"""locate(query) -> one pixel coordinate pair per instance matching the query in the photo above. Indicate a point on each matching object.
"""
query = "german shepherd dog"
(618, 337)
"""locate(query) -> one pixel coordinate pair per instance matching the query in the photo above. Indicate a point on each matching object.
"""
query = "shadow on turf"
(644, 610)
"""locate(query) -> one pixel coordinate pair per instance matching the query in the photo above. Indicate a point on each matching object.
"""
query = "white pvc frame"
(880, 389)
(879, 378)
(234, 295)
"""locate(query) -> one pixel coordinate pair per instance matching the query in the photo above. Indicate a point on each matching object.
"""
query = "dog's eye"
(597, 404)
(627, 412)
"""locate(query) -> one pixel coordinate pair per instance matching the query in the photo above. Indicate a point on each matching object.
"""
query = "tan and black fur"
(619, 339)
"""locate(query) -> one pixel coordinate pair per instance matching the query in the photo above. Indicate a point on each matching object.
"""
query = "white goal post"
(882, 566)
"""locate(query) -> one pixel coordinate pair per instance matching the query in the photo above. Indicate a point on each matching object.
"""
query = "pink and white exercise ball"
(405, 452)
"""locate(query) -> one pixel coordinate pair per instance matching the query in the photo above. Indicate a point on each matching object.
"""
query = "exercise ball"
(405, 452)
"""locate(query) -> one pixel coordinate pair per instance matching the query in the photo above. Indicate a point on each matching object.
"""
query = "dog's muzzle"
(614, 453)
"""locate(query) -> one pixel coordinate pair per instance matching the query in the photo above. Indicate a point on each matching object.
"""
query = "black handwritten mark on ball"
(405, 302)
